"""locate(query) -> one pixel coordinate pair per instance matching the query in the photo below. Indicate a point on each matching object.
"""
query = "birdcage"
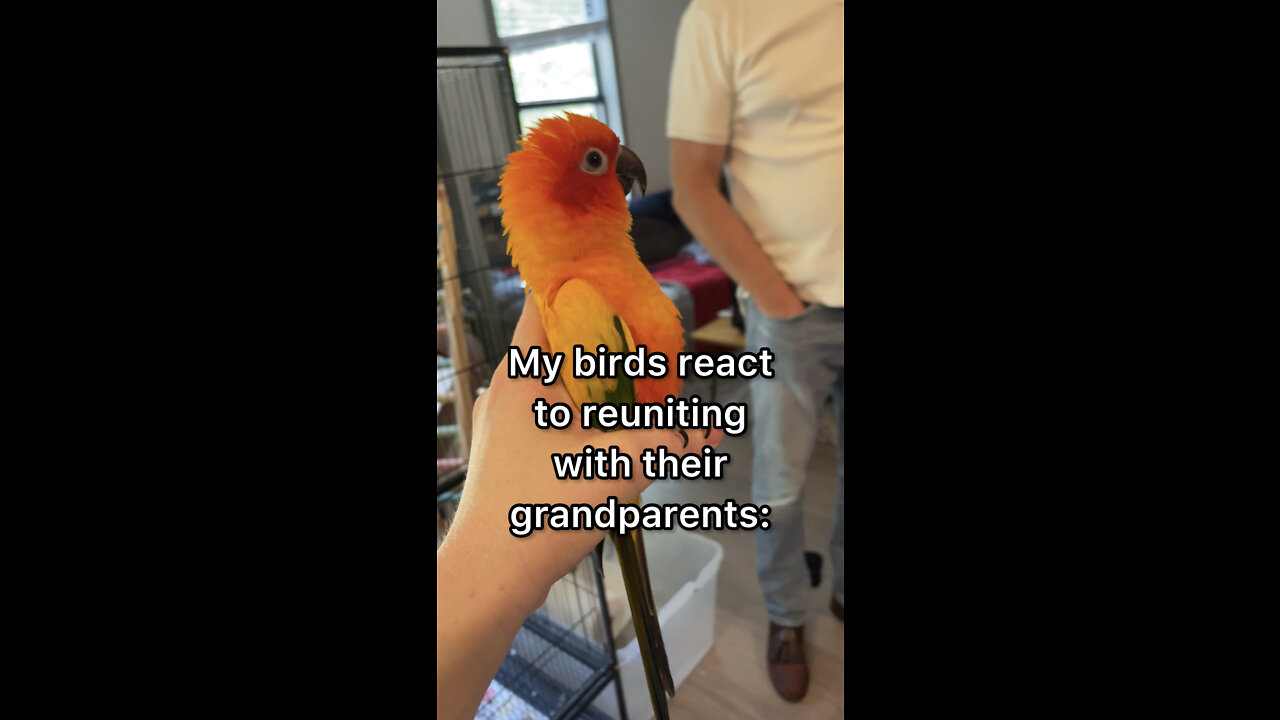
(563, 656)
(479, 296)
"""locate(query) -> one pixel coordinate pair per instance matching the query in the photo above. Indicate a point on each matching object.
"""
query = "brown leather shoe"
(837, 609)
(787, 667)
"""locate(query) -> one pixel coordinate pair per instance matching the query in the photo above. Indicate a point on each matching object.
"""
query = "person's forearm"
(479, 610)
(712, 220)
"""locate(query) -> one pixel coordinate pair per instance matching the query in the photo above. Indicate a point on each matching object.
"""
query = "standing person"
(757, 87)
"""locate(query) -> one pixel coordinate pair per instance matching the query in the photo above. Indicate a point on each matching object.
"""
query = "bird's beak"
(630, 169)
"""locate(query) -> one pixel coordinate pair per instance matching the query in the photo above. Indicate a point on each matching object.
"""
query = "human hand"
(511, 464)
(780, 302)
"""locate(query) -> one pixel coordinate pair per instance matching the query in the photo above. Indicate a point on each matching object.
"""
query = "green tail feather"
(644, 615)
(635, 571)
(660, 648)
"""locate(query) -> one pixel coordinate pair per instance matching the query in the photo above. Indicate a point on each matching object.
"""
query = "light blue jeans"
(785, 414)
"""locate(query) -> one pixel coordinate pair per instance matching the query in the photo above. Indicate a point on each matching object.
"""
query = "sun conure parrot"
(565, 213)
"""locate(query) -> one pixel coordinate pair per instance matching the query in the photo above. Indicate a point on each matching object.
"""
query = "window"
(561, 58)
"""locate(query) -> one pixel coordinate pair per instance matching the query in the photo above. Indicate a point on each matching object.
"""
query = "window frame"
(598, 33)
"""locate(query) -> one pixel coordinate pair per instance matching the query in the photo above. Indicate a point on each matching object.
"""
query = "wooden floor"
(732, 680)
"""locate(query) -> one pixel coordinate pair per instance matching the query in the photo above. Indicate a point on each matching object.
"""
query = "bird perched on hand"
(565, 213)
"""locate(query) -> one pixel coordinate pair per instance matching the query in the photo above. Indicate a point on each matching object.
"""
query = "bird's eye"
(593, 162)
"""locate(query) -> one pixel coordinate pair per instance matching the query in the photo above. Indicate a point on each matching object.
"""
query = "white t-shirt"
(766, 79)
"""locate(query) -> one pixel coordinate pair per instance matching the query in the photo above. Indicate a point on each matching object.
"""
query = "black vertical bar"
(617, 76)
(511, 80)
(491, 24)
(608, 630)
(578, 704)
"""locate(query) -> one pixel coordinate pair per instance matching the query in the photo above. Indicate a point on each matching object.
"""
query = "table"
(720, 333)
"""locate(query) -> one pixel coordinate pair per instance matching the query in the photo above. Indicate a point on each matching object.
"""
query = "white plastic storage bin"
(683, 568)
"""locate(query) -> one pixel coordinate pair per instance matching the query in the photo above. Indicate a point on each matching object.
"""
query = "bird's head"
(567, 184)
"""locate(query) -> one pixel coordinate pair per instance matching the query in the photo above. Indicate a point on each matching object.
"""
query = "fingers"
(528, 333)
(529, 330)
(477, 409)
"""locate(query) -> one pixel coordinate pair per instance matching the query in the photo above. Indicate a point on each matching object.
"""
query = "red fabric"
(681, 259)
(708, 284)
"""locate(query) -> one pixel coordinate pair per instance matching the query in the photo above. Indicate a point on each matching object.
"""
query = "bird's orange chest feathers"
(565, 213)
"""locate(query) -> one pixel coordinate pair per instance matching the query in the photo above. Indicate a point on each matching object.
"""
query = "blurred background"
(582, 56)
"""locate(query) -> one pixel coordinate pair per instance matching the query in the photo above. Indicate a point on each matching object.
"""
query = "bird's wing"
(578, 314)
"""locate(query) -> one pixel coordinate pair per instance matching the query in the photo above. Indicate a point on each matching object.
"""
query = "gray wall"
(644, 36)
(461, 23)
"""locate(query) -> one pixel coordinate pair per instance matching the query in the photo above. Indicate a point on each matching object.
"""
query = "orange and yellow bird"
(565, 213)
